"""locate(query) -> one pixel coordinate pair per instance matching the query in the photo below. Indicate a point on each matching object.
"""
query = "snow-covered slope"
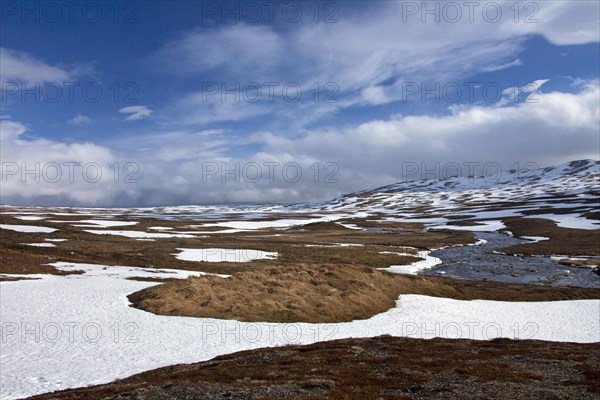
(573, 186)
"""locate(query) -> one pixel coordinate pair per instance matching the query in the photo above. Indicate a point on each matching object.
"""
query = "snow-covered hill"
(567, 193)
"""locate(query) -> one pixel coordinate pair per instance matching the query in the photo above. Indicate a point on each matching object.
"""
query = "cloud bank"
(191, 168)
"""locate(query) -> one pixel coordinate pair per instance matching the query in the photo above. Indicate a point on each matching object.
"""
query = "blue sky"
(504, 83)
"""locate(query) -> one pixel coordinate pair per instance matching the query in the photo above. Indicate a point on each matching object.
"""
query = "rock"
(515, 274)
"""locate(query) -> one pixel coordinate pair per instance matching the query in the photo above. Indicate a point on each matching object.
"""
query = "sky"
(147, 103)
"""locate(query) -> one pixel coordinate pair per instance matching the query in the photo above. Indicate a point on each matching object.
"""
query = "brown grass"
(565, 241)
(319, 294)
(15, 261)
(83, 247)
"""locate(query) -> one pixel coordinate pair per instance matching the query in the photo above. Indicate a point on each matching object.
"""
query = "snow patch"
(112, 340)
(104, 223)
(534, 239)
(28, 228)
(30, 217)
(412, 269)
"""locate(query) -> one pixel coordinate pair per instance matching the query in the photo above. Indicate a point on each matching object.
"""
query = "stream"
(481, 262)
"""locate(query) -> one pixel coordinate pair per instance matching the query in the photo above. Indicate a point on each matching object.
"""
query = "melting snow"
(28, 228)
(78, 330)
(534, 239)
(40, 244)
(412, 269)
(570, 221)
(104, 223)
(30, 217)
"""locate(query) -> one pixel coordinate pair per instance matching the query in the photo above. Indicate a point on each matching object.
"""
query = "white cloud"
(10, 130)
(369, 54)
(491, 68)
(172, 165)
(79, 120)
(374, 95)
(242, 49)
(176, 145)
(42, 170)
(558, 128)
(21, 67)
(514, 94)
(561, 22)
(136, 112)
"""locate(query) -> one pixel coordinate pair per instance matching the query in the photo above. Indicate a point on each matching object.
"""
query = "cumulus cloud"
(191, 167)
(557, 128)
(39, 170)
(136, 112)
(79, 120)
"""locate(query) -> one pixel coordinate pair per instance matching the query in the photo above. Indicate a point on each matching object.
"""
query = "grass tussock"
(322, 294)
